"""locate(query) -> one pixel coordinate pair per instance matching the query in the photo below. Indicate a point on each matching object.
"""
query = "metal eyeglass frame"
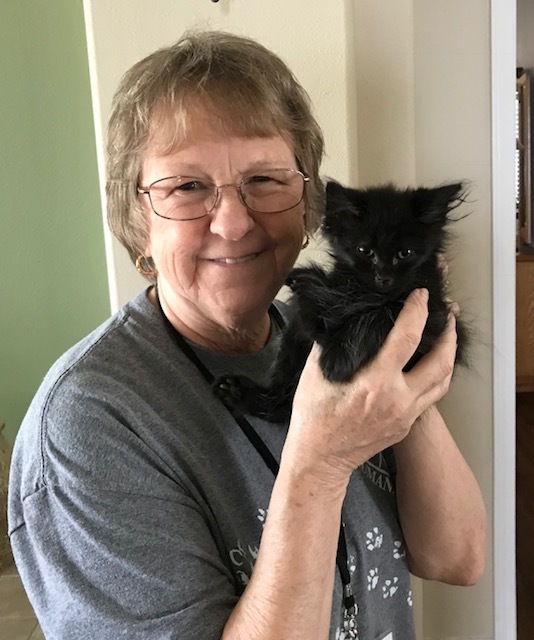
(236, 186)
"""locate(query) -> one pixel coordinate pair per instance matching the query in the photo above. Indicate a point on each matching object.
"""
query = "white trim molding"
(503, 63)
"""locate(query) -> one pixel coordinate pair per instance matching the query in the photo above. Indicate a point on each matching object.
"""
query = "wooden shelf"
(525, 321)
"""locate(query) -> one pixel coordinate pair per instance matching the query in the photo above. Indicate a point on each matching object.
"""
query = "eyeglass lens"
(186, 198)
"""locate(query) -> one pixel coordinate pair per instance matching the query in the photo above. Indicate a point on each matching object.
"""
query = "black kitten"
(385, 242)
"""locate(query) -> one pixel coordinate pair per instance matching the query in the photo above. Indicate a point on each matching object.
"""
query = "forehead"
(207, 143)
(172, 126)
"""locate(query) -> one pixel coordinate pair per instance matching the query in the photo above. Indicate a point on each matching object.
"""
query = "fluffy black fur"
(384, 242)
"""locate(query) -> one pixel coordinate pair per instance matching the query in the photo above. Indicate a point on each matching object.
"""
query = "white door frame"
(503, 62)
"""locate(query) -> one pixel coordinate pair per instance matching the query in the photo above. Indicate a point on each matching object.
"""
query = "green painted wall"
(53, 286)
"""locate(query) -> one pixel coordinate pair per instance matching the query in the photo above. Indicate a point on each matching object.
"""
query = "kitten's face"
(384, 261)
(385, 234)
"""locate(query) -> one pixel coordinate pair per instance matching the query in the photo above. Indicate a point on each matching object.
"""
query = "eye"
(264, 182)
(366, 252)
(178, 186)
(273, 178)
(259, 179)
(405, 253)
(190, 184)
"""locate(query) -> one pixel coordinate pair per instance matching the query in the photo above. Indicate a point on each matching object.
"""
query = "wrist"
(317, 475)
(420, 435)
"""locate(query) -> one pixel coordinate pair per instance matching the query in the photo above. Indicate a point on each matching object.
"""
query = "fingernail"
(424, 294)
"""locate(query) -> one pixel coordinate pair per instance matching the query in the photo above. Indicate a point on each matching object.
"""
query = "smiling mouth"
(251, 256)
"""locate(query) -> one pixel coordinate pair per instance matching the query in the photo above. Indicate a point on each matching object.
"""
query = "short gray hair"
(252, 91)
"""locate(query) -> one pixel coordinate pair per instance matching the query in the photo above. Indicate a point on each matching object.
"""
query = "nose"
(230, 217)
(383, 281)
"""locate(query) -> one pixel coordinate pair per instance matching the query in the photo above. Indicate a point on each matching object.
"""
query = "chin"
(243, 303)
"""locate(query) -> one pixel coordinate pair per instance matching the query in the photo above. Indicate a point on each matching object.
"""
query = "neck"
(238, 337)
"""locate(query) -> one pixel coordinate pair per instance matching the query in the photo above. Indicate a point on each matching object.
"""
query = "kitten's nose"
(383, 281)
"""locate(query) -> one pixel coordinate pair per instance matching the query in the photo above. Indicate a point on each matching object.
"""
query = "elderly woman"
(139, 506)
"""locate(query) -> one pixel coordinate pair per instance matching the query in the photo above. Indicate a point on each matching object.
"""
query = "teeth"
(236, 260)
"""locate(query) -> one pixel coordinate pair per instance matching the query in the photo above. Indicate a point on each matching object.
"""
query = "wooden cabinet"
(525, 321)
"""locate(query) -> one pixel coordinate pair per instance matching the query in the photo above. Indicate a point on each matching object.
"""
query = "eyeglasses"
(189, 198)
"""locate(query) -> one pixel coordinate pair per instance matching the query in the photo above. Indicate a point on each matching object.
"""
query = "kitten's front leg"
(272, 402)
(235, 392)
(242, 396)
(308, 278)
(312, 293)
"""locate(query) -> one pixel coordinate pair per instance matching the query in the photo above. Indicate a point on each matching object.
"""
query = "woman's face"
(226, 267)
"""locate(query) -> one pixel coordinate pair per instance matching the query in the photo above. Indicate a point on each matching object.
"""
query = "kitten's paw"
(230, 390)
(294, 275)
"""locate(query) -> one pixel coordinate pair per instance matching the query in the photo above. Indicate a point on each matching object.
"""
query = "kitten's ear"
(338, 205)
(336, 193)
(433, 205)
(340, 197)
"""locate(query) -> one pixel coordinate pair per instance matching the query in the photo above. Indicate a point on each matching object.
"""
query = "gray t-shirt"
(137, 504)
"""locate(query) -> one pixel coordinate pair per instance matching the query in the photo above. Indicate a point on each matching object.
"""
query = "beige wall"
(403, 93)
(383, 34)
(453, 141)
(423, 96)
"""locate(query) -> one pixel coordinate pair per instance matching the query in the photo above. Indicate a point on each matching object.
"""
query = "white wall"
(453, 141)
(403, 92)
(382, 32)
(424, 116)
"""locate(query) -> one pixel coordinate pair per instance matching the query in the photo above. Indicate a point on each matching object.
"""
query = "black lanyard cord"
(271, 462)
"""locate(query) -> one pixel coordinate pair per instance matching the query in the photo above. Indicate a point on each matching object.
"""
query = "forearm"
(289, 595)
(440, 505)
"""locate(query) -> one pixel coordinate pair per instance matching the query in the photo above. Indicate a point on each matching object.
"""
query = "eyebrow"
(251, 168)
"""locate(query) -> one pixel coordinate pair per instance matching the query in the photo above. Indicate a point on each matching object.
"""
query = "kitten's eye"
(366, 252)
(406, 253)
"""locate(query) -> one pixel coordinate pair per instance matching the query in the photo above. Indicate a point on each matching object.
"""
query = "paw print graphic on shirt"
(262, 516)
(242, 577)
(372, 579)
(390, 587)
(398, 551)
(243, 558)
(352, 564)
(409, 599)
(374, 539)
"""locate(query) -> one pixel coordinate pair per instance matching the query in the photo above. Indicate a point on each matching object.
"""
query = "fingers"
(351, 422)
(429, 380)
(312, 368)
(454, 307)
(433, 373)
(404, 338)
(443, 266)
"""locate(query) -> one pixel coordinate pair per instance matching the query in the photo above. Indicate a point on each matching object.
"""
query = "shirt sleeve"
(110, 544)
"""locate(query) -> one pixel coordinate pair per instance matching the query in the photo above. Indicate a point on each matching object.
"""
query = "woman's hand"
(336, 427)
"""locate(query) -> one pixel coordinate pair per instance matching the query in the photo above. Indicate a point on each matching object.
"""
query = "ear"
(341, 210)
(343, 198)
(336, 193)
(337, 202)
(433, 205)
